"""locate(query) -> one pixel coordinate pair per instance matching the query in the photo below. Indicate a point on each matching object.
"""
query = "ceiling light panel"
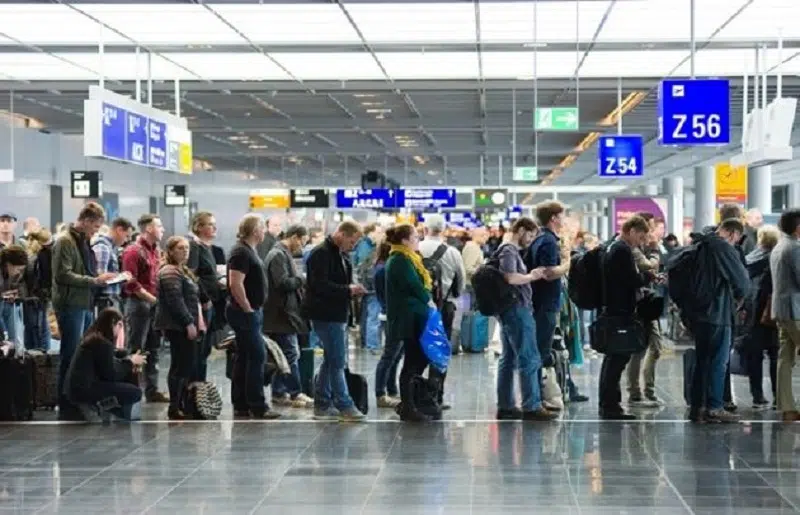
(666, 20)
(424, 22)
(51, 24)
(512, 22)
(290, 24)
(724, 62)
(432, 65)
(519, 65)
(765, 19)
(632, 64)
(331, 66)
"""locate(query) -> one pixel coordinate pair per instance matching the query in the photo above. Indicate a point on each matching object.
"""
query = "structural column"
(759, 188)
(594, 208)
(602, 221)
(649, 190)
(673, 189)
(704, 197)
(793, 202)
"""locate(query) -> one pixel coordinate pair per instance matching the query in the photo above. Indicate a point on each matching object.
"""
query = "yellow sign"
(185, 158)
(275, 199)
(731, 183)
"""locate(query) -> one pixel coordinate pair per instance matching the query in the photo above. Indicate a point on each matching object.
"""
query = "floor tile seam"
(663, 473)
(378, 475)
(443, 421)
(564, 455)
(40, 456)
(293, 463)
(99, 473)
(761, 476)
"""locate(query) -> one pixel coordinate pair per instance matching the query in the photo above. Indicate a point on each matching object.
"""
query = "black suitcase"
(17, 374)
(359, 390)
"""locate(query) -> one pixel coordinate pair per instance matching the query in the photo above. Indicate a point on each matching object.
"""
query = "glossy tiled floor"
(468, 464)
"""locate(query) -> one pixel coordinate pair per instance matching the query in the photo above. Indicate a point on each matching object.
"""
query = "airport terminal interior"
(469, 114)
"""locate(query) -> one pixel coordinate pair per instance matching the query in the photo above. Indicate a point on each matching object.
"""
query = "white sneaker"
(384, 401)
(282, 400)
(302, 401)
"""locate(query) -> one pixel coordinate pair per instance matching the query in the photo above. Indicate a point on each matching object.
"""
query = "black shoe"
(412, 415)
(578, 398)
(241, 413)
(730, 407)
(267, 414)
(540, 415)
(616, 415)
(509, 414)
(696, 415)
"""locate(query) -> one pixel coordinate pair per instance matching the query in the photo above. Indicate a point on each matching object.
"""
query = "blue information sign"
(156, 144)
(694, 112)
(426, 198)
(620, 156)
(113, 132)
(366, 199)
(136, 138)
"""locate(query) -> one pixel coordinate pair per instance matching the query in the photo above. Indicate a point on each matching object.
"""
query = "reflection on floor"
(466, 464)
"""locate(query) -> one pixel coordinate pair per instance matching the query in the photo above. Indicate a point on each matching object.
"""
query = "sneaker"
(509, 414)
(327, 414)
(302, 401)
(267, 414)
(721, 416)
(635, 400)
(696, 416)
(539, 415)
(730, 407)
(384, 401)
(352, 415)
(176, 415)
(552, 406)
(283, 399)
(578, 398)
(760, 404)
(652, 400)
(158, 397)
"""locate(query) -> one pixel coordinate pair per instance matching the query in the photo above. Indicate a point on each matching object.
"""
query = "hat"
(8, 214)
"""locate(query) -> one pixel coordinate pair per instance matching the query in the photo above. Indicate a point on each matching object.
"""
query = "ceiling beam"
(376, 151)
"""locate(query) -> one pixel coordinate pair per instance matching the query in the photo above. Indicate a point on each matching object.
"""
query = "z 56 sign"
(694, 112)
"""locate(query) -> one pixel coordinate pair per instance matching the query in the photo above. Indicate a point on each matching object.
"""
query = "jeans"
(764, 339)
(141, 335)
(247, 385)
(37, 328)
(649, 357)
(386, 371)
(610, 374)
(331, 388)
(290, 383)
(182, 365)
(370, 324)
(713, 344)
(205, 346)
(13, 321)
(313, 340)
(545, 328)
(519, 353)
(72, 323)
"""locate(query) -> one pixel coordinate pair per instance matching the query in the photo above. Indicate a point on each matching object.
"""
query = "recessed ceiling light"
(379, 111)
(364, 95)
(433, 172)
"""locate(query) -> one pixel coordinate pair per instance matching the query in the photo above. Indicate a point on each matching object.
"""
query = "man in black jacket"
(622, 281)
(327, 305)
(724, 272)
(282, 318)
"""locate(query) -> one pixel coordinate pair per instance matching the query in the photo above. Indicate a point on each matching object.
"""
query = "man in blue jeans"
(519, 332)
(74, 281)
(711, 325)
(248, 287)
(327, 305)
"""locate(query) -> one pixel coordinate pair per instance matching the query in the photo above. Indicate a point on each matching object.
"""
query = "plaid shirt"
(105, 255)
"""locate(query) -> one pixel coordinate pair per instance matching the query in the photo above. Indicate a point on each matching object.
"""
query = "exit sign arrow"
(557, 119)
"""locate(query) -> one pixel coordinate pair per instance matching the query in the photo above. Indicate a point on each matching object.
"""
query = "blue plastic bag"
(434, 341)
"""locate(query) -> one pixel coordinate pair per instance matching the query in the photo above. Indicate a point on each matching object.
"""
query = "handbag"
(651, 306)
(618, 335)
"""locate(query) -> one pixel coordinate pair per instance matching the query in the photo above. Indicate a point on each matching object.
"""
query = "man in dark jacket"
(282, 318)
(327, 305)
(725, 274)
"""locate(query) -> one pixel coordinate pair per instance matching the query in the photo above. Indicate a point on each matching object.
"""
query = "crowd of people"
(114, 291)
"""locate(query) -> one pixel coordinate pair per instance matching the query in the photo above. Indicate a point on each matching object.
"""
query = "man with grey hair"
(447, 271)
(274, 225)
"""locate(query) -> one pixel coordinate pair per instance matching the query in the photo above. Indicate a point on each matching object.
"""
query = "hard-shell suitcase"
(16, 385)
(46, 367)
(474, 332)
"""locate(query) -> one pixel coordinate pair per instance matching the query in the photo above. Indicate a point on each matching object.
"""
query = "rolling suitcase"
(46, 367)
(16, 386)
(474, 332)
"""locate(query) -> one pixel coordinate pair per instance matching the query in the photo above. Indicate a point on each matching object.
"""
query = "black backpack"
(493, 295)
(687, 282)
(434, 267)
(584, 284)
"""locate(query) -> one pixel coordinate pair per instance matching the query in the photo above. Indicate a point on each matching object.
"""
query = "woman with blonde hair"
(179, 316)
(38, 279)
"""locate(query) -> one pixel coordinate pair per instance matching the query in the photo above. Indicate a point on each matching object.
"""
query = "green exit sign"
(526, 173)
(556, 119)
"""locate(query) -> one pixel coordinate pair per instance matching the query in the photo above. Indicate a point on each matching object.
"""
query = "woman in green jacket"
(408, 287)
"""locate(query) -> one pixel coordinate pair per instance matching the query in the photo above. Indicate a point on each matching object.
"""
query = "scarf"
(416, 260)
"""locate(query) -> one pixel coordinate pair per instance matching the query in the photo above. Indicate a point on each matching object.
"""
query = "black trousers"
(610, 375)
(184, 354)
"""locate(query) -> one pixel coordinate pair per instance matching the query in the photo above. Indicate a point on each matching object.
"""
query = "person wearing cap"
(8, 224)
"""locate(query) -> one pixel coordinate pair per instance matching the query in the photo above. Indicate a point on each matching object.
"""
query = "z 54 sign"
(620, 156)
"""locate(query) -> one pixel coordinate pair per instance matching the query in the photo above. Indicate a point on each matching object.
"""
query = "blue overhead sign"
(694, 112)
(426, 198)
(136, 138)
(620, 156)
(366, 199)
(113, 131)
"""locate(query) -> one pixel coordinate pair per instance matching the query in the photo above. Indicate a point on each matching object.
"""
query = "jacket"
(622, 280)
(73, 271)
(784, 263)
(95, 361)
(761, 282)
(282, 311)
(178, 300)
(202, 263)
(724, 272)
(406, 300)
(329, 274)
